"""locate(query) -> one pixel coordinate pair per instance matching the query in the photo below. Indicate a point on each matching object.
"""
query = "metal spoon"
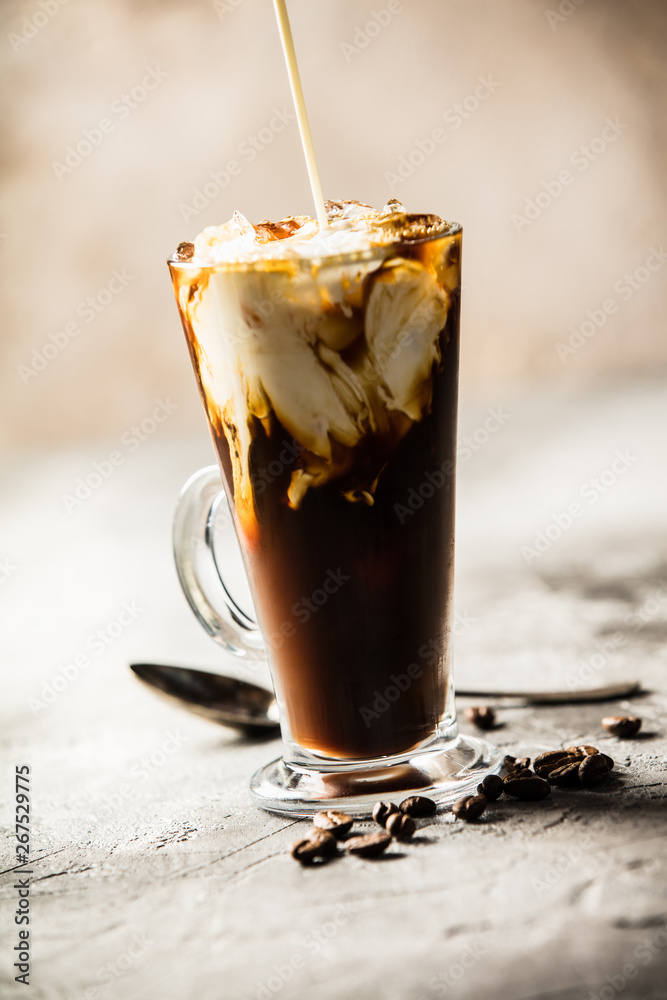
(230, 702)
(253, 709)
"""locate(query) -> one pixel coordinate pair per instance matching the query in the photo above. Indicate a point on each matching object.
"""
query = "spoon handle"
(606, 693)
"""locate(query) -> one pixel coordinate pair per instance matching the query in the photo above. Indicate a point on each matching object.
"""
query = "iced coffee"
(327, 362)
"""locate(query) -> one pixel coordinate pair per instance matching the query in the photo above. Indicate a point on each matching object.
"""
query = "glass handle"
(202, 508)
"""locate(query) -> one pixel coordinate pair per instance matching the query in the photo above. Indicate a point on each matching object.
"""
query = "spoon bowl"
(230, 702)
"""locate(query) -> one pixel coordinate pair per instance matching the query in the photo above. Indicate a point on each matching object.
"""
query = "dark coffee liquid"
(355, 600)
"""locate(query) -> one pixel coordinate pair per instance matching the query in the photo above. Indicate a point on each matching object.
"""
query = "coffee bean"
(481, 716)
(609, 760)
(470, 808)
(529, 789)
(548, 762)
(317, 845)
(338, 823)
(401, 826)
(382, 811)
(584, 750)
(622, 726)
(517, 764)
(370, 845)
(492, 787)
(593, 769)
(552, 756)
(523, 772)
(566, 776)
(509, 762)
(418, 805)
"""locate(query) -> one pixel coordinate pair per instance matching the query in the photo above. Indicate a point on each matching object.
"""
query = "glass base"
(445, 773)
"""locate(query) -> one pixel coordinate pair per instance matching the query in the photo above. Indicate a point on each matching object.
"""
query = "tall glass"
(330, 387)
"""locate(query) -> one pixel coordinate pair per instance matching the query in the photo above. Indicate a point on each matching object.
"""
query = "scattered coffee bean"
(481, 716)
(400, 825)
(370, 845)
(593, 769)
(548, 762)
(529, 789)
(470, 808)
(418, 805)
(566, 776)
(523, 772)
(382, 811)
(338, 823)
(509, 762)
(318, 845)
(491, 788)
(584, 749)
(622, 726)
(517, 764)
(552, 756)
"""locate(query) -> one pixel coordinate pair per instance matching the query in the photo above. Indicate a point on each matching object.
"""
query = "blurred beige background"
(158, 96)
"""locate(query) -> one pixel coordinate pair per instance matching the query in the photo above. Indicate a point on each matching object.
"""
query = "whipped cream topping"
(353, 227)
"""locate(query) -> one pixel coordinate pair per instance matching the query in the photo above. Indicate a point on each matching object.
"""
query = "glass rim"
(382, 252)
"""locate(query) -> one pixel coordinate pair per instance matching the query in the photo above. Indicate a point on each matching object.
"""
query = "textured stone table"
(155, 878)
